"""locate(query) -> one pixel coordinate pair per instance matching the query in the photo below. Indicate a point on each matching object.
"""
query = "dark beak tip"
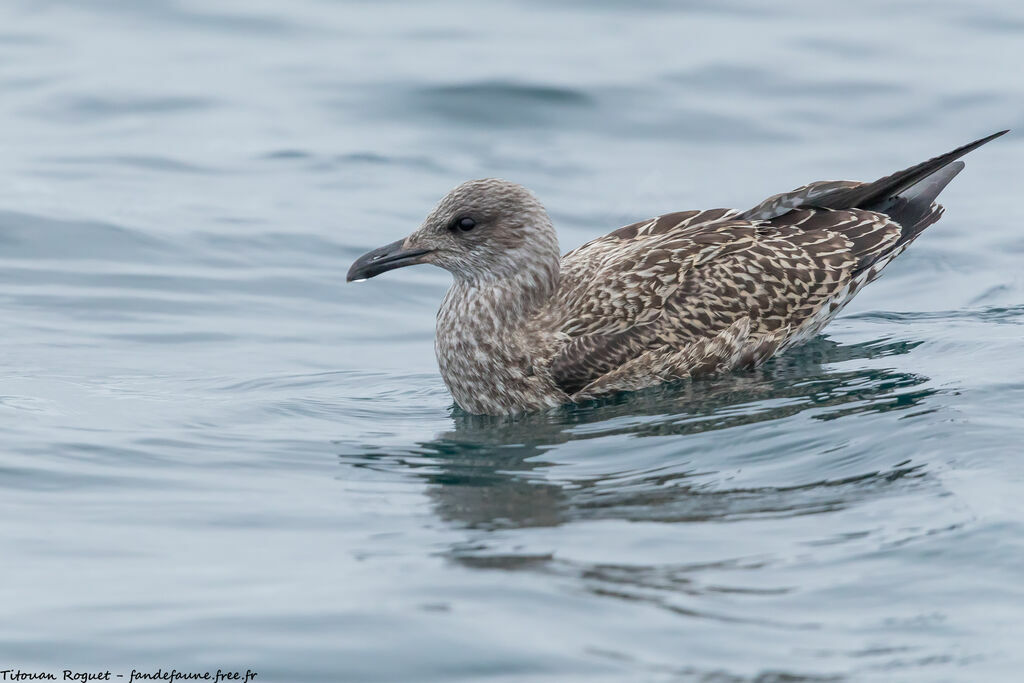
(359, 272)
(383, 259)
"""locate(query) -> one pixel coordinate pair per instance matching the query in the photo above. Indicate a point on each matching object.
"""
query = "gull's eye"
(464, 223)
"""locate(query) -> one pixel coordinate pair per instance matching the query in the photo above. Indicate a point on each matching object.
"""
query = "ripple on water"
(496, 103)
(106, 109)
(160, 164)
(27, 237)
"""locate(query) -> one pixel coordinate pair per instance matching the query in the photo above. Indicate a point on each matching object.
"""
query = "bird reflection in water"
(490, 471)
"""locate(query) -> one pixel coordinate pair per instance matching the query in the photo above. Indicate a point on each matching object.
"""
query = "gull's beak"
(383, 259)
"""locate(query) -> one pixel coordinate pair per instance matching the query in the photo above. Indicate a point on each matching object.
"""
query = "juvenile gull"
(681, 295)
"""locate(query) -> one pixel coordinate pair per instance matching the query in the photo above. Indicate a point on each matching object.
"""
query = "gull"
(679, 296)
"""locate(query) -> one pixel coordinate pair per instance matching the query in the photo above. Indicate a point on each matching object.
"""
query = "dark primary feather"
(877, 195)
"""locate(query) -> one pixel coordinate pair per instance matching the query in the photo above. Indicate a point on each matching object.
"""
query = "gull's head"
(482, 230)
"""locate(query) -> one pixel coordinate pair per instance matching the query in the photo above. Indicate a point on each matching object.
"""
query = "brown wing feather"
(871, 234)
(665, 288)
(622, 279)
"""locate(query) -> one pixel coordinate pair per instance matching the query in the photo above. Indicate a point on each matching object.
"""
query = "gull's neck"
(505, 298)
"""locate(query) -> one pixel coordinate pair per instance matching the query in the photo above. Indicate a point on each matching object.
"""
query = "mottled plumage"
(678, 296)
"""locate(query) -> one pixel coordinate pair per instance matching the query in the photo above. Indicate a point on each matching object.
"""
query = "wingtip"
(988, 138)
(993, 136)
(969, 147)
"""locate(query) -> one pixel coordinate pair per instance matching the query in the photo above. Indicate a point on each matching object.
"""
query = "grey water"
(216, 454)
